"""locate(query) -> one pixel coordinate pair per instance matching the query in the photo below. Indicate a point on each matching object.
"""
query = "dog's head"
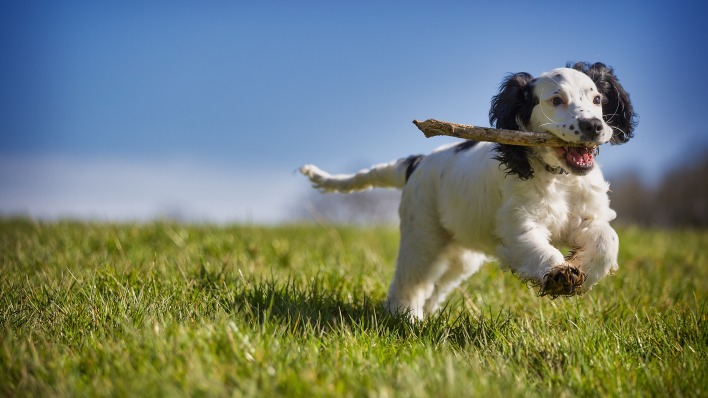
(582, 104)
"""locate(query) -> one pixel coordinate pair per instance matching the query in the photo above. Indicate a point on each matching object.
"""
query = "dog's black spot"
(411, 164)
(464, 145)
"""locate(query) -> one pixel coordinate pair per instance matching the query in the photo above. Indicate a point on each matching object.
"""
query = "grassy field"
(173, 310)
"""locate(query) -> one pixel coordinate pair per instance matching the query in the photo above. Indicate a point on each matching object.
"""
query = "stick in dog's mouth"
(432, 128)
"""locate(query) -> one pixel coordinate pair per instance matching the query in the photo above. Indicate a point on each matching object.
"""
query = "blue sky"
(124, 110)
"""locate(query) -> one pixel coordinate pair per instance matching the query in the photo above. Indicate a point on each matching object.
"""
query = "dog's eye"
(597, 100)
(557, 101)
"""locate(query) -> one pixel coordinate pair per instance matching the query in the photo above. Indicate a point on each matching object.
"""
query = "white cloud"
(118, 189)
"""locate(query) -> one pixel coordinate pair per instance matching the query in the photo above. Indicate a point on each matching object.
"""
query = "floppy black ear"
(616, 107)
(511, 110)
(513, 104)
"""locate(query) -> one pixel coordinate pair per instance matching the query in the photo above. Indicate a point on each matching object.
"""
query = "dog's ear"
(617, 109)
(511, 110)
(514, 160)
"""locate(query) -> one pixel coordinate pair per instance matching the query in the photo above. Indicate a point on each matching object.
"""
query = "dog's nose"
(591, 127)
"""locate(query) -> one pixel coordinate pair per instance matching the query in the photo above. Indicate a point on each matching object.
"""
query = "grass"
(166, 309)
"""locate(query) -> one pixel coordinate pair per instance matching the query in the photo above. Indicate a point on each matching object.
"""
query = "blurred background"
(202, 111)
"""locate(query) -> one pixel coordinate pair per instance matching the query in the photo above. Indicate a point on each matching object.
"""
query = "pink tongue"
(579, 156)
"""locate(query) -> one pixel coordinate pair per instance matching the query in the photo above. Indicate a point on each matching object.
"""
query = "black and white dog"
(465, 203)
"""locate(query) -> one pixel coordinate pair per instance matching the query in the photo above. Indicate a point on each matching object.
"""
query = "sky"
(130, 110)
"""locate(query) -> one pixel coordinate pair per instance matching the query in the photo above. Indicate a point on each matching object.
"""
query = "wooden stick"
(432, 128)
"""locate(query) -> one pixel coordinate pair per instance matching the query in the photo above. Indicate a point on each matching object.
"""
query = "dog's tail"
(386, 175)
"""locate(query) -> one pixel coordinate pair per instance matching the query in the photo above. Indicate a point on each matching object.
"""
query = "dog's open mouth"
(579, 159)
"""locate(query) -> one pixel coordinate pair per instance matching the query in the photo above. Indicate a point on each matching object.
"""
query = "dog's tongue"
(580, 157)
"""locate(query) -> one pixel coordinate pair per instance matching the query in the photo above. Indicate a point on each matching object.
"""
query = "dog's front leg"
(595, 251)
(526, 249)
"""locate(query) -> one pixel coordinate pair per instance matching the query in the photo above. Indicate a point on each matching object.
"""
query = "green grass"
(173, 310)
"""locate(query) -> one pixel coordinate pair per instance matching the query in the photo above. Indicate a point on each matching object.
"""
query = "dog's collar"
(556, 170)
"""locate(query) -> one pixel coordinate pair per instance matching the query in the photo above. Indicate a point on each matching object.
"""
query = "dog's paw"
(562, 280)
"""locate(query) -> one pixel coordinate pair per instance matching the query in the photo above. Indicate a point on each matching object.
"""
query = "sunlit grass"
(168, 309)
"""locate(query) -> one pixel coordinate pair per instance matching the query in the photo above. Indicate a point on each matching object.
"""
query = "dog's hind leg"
(461, 264)
(414, 279)
(420, 263)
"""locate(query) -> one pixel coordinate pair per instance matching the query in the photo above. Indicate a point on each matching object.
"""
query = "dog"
(468, 203)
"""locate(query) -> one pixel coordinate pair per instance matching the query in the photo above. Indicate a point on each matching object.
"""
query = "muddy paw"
(562, 280)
